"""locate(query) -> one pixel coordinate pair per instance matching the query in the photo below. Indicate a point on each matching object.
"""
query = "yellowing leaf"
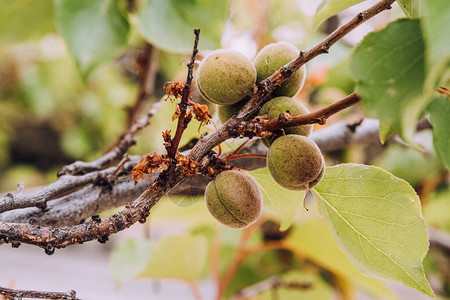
(314, 240)
(128, 259)
(378, 220)
(21, 21)
(178, 257)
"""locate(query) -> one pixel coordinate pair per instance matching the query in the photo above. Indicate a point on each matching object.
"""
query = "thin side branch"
(265, 87)
(183, 119)
(100, 229)
(147, 83)
(19, 294)
(263, 128)
(93, 199)
(320, 116)
(50, 239)
(64, 185)
(127, 140)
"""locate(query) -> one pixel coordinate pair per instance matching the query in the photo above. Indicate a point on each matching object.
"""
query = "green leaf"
(25, 20)
(326, 253)
(389, 68)
(94, 31)
(410, 164)
(128, 259)
(437, 40)
(411, 8)
(178, 257)
(378, 220)
(437, 208)
(439, 110)
(328, 8)
(284, 203)
(170, 24)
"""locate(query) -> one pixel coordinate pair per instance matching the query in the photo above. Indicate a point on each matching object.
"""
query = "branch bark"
(64, 185)
(93, 199)
(50, 238)
(319, 116)
(146, 84)
(182, 119)
(125, 142)
(266, 87)
(19, 294)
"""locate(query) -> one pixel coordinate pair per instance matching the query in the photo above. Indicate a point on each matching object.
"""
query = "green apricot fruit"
(272, 57)
(278, 105)
(234, 198)
(227, 111)
(295, 162)
(319, 177)
(225, 77)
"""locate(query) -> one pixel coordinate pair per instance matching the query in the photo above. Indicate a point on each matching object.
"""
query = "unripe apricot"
(225, 77)
(272, 57)
(319, 177)
(278, 105)
(295, 161)
(234, 198)
(227, 111)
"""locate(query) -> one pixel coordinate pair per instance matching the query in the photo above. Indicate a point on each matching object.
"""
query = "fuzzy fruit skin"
(234, 199)
(225, 77)
(319, 177)
(278, 105)
(225, 112)
(272, 57)
(294, 161)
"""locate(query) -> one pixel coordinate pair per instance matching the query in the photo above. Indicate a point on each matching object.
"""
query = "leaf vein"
(376, 248)
(370, 197)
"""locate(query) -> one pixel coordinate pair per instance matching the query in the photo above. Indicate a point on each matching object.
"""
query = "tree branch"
(146, 89)
(50, 239)
(64, 185)
(74, 208)
(319, 116)
(183, 119)
(126, 141)
(19, 294)
(93, 199)
(265, 87)
(72, 183)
